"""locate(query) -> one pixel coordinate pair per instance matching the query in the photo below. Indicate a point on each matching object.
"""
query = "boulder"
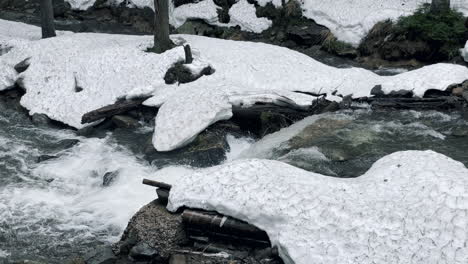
(307, 34)
(160, 231)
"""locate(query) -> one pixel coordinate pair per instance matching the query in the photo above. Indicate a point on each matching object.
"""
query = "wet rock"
(122, 121)
(102, 255)
(379, 93)
(22, 66)
(320, 128)
(308, 34)
(41, 120)
(181, 74)
(43, 158)
(109, 178)
(160, 230)
(66, 143)
(208, 149)
(142, 252)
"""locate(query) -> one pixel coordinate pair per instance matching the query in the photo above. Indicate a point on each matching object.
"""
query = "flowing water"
(58, 208)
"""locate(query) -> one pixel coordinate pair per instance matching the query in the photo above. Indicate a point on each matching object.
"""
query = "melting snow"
(410, 207)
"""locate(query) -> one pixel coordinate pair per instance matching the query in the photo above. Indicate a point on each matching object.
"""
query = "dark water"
(346, 144)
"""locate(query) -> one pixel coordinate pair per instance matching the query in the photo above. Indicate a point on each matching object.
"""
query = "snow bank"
(410, 207)
(105, 67)
(243, 14)
(254, 72)
(465, 52)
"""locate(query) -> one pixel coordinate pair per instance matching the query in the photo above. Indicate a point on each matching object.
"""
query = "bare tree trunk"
(47, 19)
(439, 6)
(162, 42)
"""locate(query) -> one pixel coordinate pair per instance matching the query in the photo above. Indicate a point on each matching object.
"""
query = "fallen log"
(157, 184)
(112, 110)
(212, 223)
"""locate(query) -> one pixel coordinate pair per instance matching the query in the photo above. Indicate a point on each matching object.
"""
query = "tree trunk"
(162, 42)
(47, 19)
(439, 6)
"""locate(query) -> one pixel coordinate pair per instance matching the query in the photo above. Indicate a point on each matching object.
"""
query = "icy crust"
(465, 52)
(247, 73)
(410, 207)
(71, 75)
(8, 76)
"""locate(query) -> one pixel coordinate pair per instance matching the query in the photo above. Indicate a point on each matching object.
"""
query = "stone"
(102, 255)
(377, 91)
(458, 91)
(123, 121)
(41, 120)
(308, 34)
(109, 177)
(155, 226)
(208, 149)
(22, 66)
(142, 252)
(181, 74)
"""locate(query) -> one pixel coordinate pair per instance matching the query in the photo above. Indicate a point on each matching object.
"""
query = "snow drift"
(410, 207)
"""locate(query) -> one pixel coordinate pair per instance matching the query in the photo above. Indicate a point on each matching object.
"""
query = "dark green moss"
(445, 31)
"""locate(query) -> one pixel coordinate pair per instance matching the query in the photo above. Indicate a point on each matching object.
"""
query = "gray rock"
(307, 34)
(102, 255)
(377, 91)
(22, 66)
(43, 158)
(41, 120)
(155, 226)
(122, 121)
(109, 178)
(142, 252)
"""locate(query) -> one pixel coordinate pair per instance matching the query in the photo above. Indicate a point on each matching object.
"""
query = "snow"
(109, 67)
(410, 207)
(8, 76)
(105, 66)
(465, 52)
(243, 14)
(205, 10)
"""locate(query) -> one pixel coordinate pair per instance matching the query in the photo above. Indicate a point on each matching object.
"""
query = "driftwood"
(213, 224)
(162, 191)
(157, 184)
(111, 110)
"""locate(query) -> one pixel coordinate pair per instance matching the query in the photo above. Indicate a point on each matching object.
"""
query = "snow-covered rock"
(410, 207)
(465, 52)
(243, 14)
